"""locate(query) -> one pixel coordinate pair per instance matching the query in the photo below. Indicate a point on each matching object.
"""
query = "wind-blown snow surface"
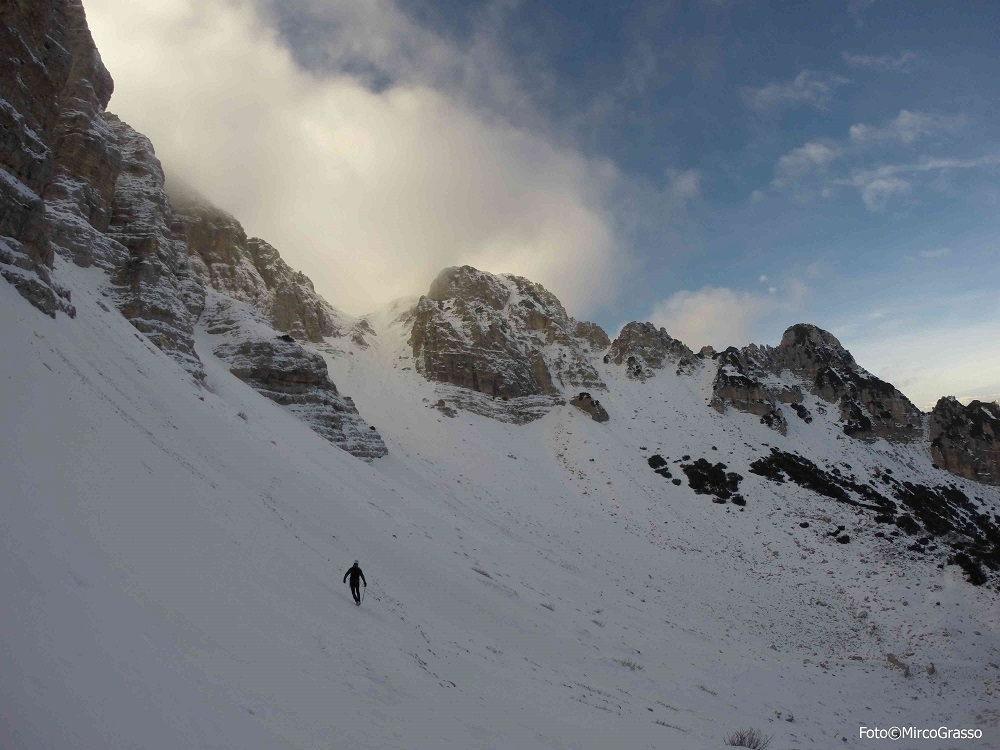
(171, 570)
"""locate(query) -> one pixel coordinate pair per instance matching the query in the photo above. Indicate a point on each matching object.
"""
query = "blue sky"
(723, 168)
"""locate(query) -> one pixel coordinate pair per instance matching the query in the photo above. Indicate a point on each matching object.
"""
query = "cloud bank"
(722, 317)
(369, 190)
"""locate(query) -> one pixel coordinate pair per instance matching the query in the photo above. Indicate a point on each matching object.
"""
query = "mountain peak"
(809, 336)
(470, 284)
(643, 349)
(503, 336)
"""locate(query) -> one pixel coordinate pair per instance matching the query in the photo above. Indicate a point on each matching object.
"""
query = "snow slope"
(171, 559)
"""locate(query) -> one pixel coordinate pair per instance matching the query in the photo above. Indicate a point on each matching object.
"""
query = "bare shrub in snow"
(751, 738)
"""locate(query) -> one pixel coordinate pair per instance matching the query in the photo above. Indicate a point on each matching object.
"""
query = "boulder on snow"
(585, 402)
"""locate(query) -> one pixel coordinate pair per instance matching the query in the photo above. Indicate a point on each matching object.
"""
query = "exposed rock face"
(965, 440)
(52, 86)
(585, 402)
(869, 407)
(251, 270)
(155, 287)
(77, 181)
(503, 336)
(86, 155)
(593, 334)
(284, 371)
(643, 349)
(743, 382)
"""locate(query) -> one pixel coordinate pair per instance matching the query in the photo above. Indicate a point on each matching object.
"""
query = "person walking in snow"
(355, 573)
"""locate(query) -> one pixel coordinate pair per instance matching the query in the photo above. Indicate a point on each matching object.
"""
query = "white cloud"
(723, 317)
(807, 88)
(804, 159)
(876, 192)
(881, 183)
(907, 127)
(792, 171)
(683, 185)
(939, 252)
(370, 192)
(881, 62)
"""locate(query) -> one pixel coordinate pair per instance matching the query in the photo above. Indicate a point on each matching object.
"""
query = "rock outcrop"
(52, 88)
(78, 182)
(743, 382)
(587, 403)
(502, 336)
(251, 270)
(754, 379)
(284, 371)
(869, 407)
(965, 440)
(643, 349)
(155, 287)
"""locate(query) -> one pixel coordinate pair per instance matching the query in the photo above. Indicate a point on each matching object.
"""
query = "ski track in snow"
(172, 570)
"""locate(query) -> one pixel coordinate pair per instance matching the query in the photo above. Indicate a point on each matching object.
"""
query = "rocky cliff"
(251, 270)
(77, 182)
(744, 382)
(52, 88)
(154, 286)
(869, 407)
(643, 349)
(965, 440)
(286, 372)
(757, 378)
(502, 336)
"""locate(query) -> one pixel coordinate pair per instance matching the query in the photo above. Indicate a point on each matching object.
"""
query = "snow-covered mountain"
(79, 183)
(569, 541)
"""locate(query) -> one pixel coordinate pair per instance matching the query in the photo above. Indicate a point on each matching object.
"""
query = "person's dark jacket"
(355, 573)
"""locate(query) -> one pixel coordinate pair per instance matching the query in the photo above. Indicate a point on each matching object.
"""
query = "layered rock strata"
(78, 182)
(502, 336)
(286, 372)
(52, 88)
(155, 287)
(965, 440)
